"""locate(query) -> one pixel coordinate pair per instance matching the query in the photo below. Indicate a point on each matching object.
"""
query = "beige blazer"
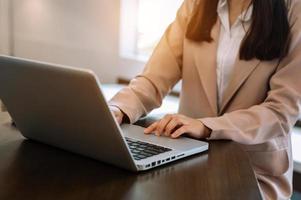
(259, 108)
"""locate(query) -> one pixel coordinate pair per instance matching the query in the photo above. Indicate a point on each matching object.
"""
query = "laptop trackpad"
(183, 143)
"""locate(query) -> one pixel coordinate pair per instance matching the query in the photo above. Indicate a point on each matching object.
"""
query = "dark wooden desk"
(30, 170)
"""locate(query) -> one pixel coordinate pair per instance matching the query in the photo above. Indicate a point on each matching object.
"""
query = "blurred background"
(118, 35)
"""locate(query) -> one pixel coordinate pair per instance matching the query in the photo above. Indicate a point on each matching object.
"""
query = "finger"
(171, 126)
(162, 124)
(151, 128)
(179, 132)
(119, 119)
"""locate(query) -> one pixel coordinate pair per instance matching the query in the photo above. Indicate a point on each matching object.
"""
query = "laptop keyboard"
(141, 150)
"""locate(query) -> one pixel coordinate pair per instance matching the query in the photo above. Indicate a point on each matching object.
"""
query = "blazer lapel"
(207, 72)
(205, 57)
(242, 71)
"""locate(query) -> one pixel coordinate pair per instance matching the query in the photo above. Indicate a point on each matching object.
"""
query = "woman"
(240, 63)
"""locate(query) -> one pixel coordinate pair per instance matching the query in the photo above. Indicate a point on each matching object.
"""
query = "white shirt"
(229, 44)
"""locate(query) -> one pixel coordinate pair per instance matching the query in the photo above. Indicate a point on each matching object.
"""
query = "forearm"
(255, 125)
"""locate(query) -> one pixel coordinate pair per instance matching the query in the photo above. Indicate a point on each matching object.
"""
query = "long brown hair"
(268, 37)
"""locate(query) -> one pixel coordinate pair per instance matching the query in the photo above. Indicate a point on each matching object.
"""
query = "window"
(143, 22)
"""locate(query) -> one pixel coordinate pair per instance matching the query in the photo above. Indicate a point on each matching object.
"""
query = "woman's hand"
(117, 113)
(176, 125)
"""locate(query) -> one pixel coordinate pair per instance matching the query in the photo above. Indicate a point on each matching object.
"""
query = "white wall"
(4, 27)
(4, 32)
(80, 33)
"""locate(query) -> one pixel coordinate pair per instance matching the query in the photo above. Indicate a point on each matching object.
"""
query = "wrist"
(119, 114)
(207, 132)
(125, 118)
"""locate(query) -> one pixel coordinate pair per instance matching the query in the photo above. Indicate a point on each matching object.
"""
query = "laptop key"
(141, 150)
(143, 153)
(141, 156)
(151, 152)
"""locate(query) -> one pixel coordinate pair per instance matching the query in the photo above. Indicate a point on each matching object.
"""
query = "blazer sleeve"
(161, 73)
(276, 116)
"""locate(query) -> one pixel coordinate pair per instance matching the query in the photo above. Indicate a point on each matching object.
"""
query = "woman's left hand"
(176, 125)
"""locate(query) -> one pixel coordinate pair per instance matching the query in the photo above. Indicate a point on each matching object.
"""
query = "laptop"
(64, 107)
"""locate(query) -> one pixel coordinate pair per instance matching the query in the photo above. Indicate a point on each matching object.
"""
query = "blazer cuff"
(132, 113)
(216, 131)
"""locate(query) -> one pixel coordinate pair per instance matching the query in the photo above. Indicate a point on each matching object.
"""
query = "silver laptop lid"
(63, 107)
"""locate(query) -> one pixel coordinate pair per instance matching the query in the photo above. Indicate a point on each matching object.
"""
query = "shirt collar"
(222, 4)
(246, 16)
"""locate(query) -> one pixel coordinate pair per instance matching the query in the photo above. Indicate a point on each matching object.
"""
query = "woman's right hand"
(117, 113)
